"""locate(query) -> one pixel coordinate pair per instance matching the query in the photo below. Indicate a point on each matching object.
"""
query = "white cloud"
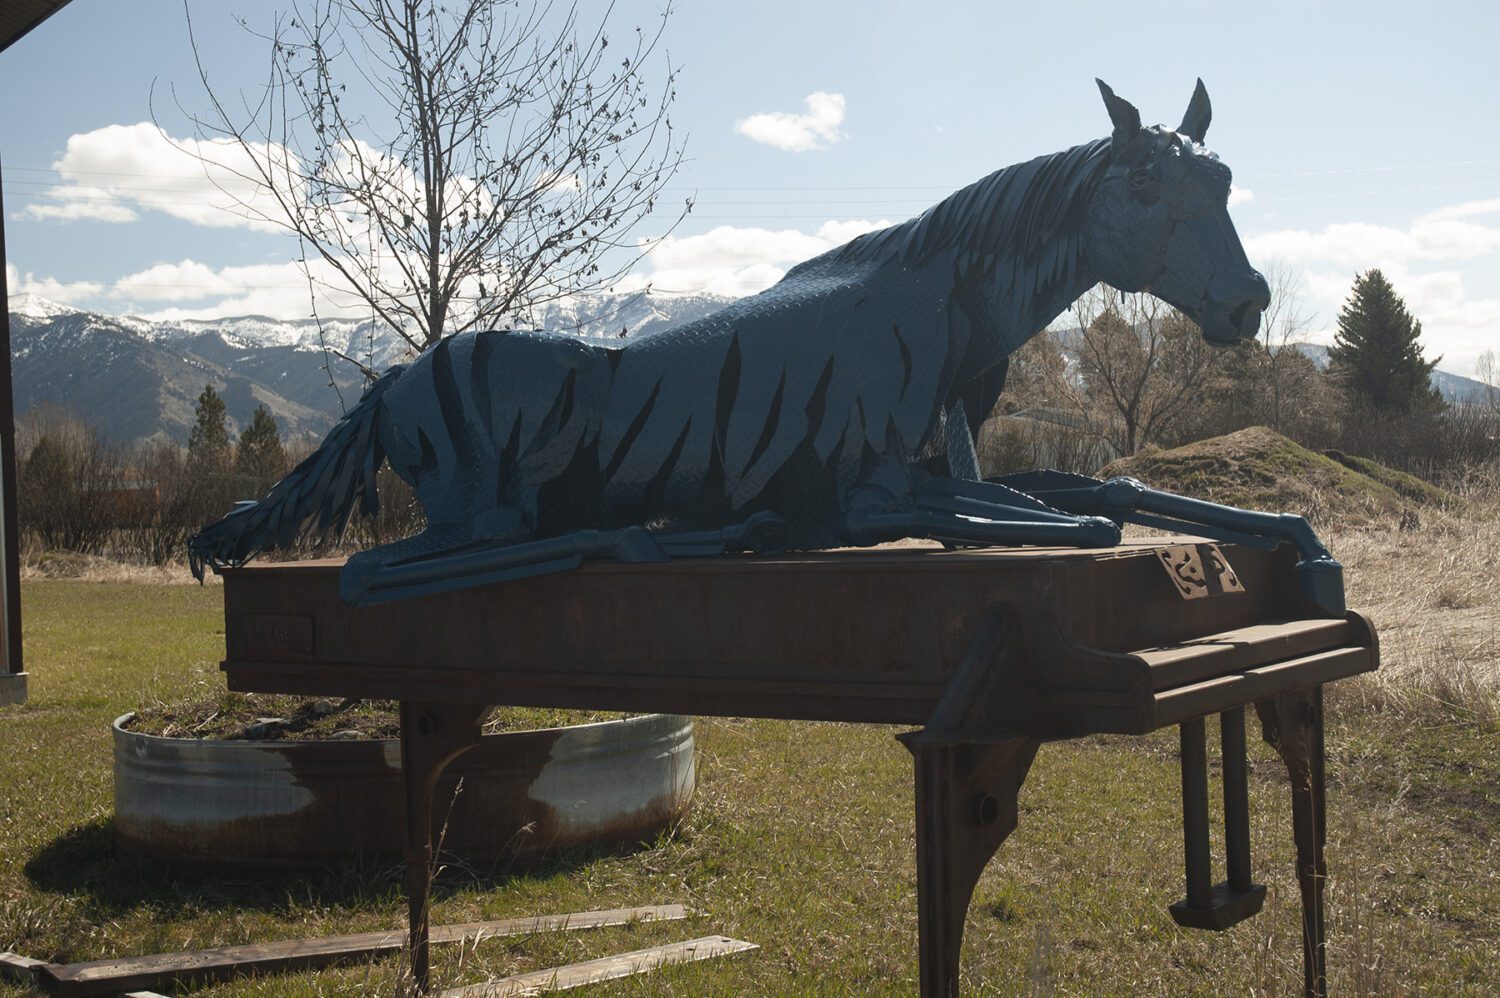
(65, 292)
(738, 261)
(121, 172)
(1489, 206)
(1426, 263)
(817, 129)
(276, 290)
(111, 174)
(79, 204)
(1240, 195)
(185, 281)
(1429, 238)
(189, 289)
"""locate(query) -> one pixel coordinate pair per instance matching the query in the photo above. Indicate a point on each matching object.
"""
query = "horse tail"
(317, 496)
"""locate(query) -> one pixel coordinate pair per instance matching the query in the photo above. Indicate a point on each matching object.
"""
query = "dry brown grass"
(39, 564)
(801, 834)
(1434, 593)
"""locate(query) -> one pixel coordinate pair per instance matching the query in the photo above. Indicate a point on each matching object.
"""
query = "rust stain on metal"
(322, 802)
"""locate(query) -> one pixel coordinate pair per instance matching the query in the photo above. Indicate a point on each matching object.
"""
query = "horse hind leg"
(483, 562)
(374, 576)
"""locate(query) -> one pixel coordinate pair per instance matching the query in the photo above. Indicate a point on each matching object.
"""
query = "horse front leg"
(1072, 531)
(1125, 500)
(961, 512)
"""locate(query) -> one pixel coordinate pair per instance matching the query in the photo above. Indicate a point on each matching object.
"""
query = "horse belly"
(657, 446)
(482, 421)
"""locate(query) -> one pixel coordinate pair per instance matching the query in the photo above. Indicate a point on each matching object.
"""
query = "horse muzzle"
(1233, 305)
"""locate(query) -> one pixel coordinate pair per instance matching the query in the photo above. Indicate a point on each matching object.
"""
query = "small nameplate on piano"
(1199, 570)
(275, 634)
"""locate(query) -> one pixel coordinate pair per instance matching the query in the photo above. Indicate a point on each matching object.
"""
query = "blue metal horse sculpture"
(838, 407)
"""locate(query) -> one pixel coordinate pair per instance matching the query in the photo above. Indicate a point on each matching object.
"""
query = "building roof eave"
(17, 17)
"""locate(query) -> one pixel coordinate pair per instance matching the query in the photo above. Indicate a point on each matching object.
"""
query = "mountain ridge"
(138, 379)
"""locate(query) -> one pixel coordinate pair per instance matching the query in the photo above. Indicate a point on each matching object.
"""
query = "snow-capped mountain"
(138, 379)
(37, 307)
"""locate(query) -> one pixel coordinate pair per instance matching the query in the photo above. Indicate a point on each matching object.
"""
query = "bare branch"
(451, 165)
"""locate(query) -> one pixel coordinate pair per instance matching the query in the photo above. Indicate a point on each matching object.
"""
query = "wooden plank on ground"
(98, 977)
(607, 968)
(15, 967)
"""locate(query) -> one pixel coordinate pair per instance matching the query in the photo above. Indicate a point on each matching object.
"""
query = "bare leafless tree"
(1487, 371)
(1286, 374)
(1142, 367)
(71, 480)
(454, 165)
(1270, 380)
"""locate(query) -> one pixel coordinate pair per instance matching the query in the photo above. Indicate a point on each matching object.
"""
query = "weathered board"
(609, 968)
(101, 977)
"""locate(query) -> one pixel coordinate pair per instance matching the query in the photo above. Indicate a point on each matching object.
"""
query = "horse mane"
(1028, 216)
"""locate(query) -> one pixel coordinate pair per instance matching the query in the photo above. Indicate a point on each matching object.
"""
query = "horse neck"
(1006, 317)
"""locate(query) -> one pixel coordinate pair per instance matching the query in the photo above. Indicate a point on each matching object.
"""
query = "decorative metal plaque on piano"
(1199, 570)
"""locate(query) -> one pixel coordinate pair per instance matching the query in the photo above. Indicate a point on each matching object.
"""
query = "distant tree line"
(81, 492)
(1128, 372)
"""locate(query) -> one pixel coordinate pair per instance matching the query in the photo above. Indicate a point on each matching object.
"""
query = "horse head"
(1158, 221)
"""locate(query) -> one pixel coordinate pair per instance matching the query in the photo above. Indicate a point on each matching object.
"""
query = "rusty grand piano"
(977, 647)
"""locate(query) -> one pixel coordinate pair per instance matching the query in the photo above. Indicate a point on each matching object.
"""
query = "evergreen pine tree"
(1377, 353)
(208, 441)
(259, 455)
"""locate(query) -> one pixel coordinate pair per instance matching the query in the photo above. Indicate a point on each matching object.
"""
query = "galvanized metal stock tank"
(514, 798)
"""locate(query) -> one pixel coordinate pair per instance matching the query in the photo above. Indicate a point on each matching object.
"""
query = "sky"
(1361, 134)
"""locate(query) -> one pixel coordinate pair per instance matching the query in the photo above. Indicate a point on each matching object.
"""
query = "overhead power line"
(1342, 171)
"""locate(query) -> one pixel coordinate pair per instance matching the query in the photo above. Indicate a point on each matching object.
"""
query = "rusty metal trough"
(525, 794)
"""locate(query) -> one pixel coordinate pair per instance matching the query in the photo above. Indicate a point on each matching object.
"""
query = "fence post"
(12, 671)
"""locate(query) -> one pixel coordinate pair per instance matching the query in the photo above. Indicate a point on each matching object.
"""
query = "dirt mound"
(1409, 486)
(1258, 468)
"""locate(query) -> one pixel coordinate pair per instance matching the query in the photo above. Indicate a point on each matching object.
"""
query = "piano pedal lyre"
(1209, 905)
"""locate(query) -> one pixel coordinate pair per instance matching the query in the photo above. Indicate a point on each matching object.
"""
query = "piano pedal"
(1208, 905)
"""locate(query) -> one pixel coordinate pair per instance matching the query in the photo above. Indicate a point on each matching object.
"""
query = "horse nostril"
(1245, 318)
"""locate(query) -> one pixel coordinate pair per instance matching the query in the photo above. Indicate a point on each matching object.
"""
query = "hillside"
(1258, 468)
(136, 388)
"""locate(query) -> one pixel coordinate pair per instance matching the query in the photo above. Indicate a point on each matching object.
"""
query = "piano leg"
(966, 806)
(1293, 725)
(432, 735)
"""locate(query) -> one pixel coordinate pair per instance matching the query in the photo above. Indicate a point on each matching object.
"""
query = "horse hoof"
(1099, 532)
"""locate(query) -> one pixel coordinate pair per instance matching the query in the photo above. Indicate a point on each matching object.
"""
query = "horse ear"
(1122, 113)
(1199, 114)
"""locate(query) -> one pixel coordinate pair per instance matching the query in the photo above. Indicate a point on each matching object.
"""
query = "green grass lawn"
(800, 840)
